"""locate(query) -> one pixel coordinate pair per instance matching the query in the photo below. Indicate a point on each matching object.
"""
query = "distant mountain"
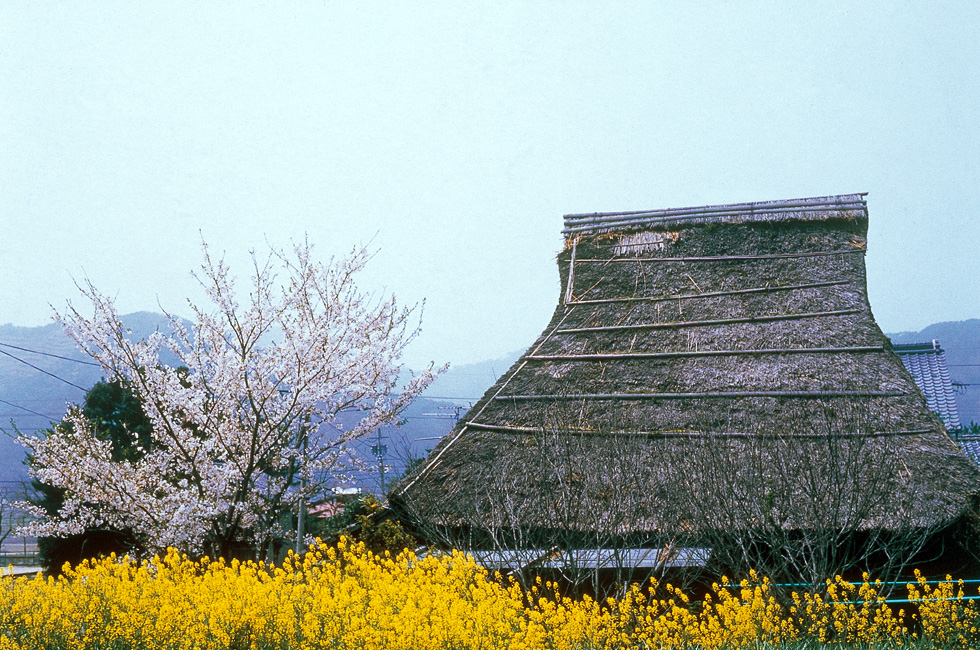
(961, 341)
(470, 381)
(42, 371)
(36, 388)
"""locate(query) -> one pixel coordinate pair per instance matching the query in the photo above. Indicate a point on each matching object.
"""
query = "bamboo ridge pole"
(695, 434)
(707, 294)
(606, 356)
(577, 223)
(719, 258)
(730, 208)
(698, 323)
(599, 226)
(806, 394)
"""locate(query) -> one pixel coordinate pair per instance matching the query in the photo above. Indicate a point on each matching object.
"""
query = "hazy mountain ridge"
(23, 387)
(35, 389)
(470, 381)
(30, 398)
(428, 418)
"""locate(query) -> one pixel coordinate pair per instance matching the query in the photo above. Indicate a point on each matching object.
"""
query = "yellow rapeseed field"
(346, 597)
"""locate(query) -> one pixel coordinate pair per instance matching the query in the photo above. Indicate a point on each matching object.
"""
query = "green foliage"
(118, 416)
(384, 534)
(364, 519)
(412, 465)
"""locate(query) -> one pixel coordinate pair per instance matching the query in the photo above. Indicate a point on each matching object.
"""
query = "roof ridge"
(812, 208)
(918, 346)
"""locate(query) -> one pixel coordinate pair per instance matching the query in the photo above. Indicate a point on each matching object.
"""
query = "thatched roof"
(741, 334)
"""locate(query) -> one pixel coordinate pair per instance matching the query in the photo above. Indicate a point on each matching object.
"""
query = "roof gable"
(717, 326)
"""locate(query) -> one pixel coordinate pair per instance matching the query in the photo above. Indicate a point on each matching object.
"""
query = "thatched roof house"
(707, 367)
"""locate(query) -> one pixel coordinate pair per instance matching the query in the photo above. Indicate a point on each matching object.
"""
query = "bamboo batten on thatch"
(738, 334)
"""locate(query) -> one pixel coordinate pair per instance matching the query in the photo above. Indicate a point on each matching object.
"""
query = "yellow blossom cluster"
(346, 597)
(947, 618)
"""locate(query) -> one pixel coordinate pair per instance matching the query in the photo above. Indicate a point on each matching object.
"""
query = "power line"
(458, 399)
(49, 374)
(36, 400)
(49, 354)
(14, 415)
(25, 409)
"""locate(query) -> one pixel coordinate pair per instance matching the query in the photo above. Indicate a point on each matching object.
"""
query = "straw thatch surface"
(696, 355)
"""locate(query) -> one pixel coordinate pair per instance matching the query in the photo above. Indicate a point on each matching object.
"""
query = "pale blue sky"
(458, 134)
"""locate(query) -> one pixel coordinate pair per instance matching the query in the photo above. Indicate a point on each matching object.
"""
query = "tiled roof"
(971, 446)
(926, 362)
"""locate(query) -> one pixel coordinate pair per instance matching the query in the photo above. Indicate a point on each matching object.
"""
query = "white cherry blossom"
(248, 412)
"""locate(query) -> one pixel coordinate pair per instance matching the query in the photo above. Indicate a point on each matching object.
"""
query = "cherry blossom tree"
(247, 417)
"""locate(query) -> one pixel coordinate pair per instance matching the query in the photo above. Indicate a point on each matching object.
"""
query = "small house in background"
(926, 362)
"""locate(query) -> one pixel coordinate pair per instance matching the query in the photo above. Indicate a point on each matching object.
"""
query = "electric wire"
(48, 354)
(49, 374)
(23, 408)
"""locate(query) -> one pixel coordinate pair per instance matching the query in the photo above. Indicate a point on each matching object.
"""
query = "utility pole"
(457, 412)
(302, 495)
(379, 450)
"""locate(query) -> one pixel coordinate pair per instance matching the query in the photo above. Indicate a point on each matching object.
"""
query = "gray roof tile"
(926, 362)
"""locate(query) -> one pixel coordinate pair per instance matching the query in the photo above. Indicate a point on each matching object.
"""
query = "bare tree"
(559, 500)
(799, 507)
(603, 508)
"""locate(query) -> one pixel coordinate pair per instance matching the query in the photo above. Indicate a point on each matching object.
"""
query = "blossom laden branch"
(249, 409)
